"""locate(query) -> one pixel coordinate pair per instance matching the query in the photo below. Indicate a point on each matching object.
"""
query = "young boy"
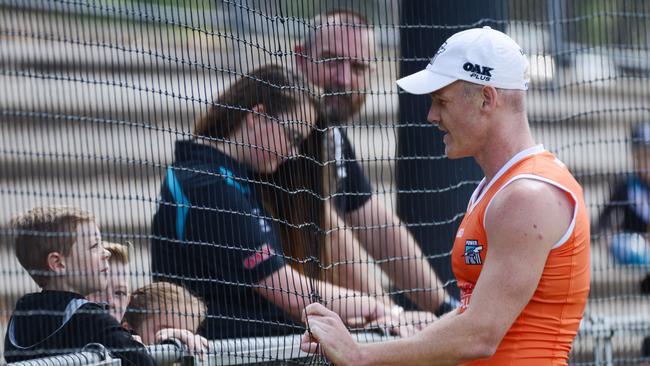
(62, 250)
(117, 292)
(162, 310)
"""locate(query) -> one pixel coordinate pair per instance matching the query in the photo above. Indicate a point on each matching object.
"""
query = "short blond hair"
(163, 298)
(119, 252)
(44, 230)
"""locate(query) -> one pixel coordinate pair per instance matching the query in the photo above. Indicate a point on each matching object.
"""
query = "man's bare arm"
(523, 223)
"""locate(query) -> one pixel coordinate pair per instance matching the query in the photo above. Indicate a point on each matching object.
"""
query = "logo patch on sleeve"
(262, 254)
(473, 252)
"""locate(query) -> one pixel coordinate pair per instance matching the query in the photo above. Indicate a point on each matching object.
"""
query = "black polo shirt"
(212, 235)
(353, 188)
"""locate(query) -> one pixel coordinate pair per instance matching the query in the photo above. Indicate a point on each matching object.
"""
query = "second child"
(162, 310)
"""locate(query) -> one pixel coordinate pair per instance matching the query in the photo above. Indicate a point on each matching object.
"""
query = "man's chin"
(454, 155)
(451, 154)
(339, 110)
(335, 117)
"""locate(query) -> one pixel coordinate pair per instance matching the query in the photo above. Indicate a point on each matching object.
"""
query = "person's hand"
(404, 324)
(358, 311)
(326, 330)
(196, 344)
(391, 325)
(137, 338)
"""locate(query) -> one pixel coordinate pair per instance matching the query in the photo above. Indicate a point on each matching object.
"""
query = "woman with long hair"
(227, 216)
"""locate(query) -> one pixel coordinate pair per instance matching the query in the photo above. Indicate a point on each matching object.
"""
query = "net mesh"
(320, 182)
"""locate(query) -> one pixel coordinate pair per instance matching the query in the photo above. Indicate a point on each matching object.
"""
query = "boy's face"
(86, 268)
(176, 319)
(116, 294)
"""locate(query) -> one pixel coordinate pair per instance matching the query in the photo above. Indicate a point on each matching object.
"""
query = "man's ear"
(55, 262)
(489, 96)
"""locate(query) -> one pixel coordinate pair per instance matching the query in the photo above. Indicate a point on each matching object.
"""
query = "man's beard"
(339, 108)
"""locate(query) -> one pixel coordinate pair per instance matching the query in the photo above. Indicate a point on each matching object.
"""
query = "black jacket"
(628, 208)
(38, 329)
(212, 235)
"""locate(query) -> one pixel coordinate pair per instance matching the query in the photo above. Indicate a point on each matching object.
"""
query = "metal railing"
(603, 329)
(237, 351)
(265, 349)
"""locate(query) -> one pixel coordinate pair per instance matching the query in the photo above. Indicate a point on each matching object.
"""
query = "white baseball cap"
(481, 56)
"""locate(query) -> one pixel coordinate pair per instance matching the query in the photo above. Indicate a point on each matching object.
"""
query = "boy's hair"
(119, 252)
(44, 230)
(163, 298)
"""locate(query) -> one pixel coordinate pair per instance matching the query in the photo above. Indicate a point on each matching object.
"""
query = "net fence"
(243, 159)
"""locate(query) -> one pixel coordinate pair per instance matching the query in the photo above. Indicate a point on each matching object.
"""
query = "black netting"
(243, 159)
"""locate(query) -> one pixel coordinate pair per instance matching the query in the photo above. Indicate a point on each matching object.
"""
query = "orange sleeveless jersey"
(544, 331)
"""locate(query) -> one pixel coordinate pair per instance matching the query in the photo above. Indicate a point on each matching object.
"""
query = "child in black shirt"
(62, 250)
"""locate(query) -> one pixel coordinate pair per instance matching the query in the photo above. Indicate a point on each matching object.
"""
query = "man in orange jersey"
(521, 253)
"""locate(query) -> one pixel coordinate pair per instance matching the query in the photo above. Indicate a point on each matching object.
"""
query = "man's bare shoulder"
(529, 210)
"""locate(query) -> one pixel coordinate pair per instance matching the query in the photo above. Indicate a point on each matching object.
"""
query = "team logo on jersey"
(473, 252)
(262, 254)
(229, 177)
(460, 232)
(339, 158)
(265, 227)
(466, 290)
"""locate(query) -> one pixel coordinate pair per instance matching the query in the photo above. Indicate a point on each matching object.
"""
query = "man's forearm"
(386, 238)
(352, 266)
(449, 341)
(413, 273)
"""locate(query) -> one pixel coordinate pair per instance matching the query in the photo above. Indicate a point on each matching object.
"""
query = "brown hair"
(163, 298)
(295, 198)
(44, 230)
(277, 89)
(293, 194)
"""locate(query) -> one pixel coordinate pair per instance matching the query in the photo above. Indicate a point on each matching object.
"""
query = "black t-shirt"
(628, 208)
(353, 189)
(38, 329)
(212, 235)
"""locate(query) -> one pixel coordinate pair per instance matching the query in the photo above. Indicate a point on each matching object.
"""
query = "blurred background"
(94, 93)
